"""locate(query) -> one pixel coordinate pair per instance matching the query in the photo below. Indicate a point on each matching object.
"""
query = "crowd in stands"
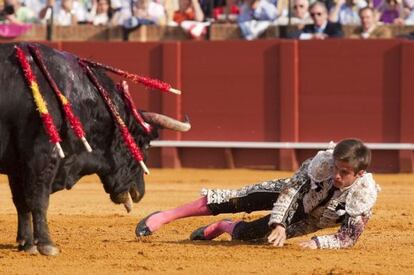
(316, 20)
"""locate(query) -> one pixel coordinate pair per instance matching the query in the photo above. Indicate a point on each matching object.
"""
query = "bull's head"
(124, 181)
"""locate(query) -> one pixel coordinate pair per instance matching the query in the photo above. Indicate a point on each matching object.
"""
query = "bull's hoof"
(31, 250)
(48, 250)
(142, 229)
(27, 247)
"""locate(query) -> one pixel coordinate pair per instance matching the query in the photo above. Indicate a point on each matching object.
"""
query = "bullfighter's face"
(344, 174)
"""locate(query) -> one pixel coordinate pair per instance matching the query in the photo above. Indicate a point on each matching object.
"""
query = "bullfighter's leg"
(256, 230)
(252, 202)
(213, 230)
(24, 216)
(256, 197)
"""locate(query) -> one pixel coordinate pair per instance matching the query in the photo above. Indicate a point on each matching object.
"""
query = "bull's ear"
(167, 122)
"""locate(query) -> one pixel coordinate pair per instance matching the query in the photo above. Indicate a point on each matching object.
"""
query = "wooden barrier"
(273, 91)
(231, 31)
(152, 33)
(157, 33)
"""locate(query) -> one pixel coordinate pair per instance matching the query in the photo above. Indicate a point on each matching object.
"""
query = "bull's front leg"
(37, 197)
(43, 241)
(24, 230)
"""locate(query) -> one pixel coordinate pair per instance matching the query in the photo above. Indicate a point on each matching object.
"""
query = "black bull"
(32, 164)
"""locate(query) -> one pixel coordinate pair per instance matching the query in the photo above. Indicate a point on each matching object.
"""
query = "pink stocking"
(216, 229)
(195, 208)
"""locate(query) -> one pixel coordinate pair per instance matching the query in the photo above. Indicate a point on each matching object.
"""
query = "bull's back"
(21, 129)
(20, 123)
(13, 102)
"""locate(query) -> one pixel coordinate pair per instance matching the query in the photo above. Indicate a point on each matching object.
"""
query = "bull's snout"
(124, 198)
(135, 194)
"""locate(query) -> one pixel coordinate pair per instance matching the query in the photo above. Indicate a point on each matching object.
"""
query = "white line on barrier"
(270, 145)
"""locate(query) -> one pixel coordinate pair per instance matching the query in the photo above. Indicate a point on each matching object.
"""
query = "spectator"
(4, 12)
(391, 12)
(221, 10)
(409, 21)
(321, 27)
(190, 17)
(146, 12)
(18, 14)
(255, 17)
(188, 10)
(408, 6)
(282, 7)
(66, 12)
(374, 3)
(228, 11)
(210, 8)
(122, 9)
(66, 15)
(34, 5)
(101, 13)
(300, 14)
(46, 12)
(369, 28)
(345, 12)
(170, 7)
(329, 4)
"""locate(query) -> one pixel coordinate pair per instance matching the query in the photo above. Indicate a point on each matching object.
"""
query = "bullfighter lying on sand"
(329, 189)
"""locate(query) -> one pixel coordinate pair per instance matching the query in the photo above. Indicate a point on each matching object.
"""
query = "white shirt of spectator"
(265, 11)
(35, 5)
(156, 12)
(349, 16)
(100, 19)
(365, 34)
(78, 10)
(125, 11)
(410, 19)
(64, 18)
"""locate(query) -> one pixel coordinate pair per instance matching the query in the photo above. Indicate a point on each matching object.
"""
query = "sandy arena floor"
(97, 237)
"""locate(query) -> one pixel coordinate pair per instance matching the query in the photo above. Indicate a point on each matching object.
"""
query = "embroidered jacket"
(303, 208)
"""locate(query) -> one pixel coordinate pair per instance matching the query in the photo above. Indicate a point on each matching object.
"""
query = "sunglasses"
(298, 6)
(313, 14)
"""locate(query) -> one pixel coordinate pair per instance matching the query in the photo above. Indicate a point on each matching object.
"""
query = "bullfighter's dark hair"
(354, 152)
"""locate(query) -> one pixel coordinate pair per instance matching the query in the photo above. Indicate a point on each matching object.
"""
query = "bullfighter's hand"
(311, 244)
(278, 236)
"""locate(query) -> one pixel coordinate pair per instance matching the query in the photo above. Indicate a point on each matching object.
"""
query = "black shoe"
(198, 234)
(142, 229)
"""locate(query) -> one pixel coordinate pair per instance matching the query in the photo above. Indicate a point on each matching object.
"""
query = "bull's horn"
(128, 203)
(167, 122)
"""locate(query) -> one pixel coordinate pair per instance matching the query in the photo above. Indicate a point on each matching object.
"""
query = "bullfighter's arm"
(347, 235)
(287, 202)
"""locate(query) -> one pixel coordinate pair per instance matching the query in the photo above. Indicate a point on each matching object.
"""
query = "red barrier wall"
(273, 90)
